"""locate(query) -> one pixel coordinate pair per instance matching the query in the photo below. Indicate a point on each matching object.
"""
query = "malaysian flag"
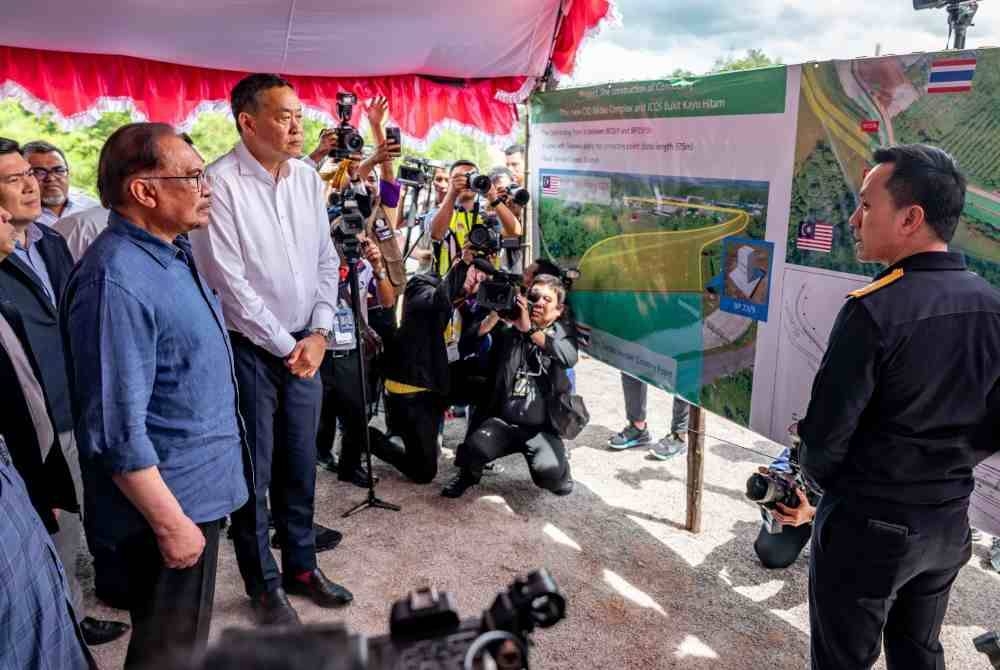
(815, 236)
(952, 75)
(550, 185)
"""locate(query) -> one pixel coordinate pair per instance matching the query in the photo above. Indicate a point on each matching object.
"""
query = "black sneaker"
(629, 437)
(459, 485)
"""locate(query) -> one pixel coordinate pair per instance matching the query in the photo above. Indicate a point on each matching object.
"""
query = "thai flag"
(550, 185)
(953, 75)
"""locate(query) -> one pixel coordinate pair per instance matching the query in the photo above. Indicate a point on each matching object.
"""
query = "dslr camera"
(349, 140)
(478, 182)
(425, 633)
(777, 485)
(518, 194)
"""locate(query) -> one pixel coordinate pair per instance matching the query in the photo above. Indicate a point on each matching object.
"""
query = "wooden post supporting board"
(696, 468)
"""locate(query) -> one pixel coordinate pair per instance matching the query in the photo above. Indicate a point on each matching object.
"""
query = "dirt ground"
(642, 592)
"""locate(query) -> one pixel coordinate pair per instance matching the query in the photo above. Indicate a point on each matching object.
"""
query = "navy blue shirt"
(153, 384)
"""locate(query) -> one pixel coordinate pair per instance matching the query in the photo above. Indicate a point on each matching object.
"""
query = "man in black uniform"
(899, 415)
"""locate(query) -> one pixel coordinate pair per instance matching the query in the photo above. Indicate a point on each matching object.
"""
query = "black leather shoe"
(319, 589)
(459, 485)
(357, 476)
(328, 463)
(326, 538)
(564, 489)
(273, 609)
(97, 632)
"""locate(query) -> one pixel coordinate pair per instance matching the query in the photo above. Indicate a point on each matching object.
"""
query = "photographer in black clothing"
(904, 405)
(417, 374)
(529, 363)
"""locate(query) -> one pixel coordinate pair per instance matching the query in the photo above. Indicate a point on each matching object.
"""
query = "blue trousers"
(281, 415)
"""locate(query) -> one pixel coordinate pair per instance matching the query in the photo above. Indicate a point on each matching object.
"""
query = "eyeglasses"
(11, 179)
(41, 174)
(196, 182)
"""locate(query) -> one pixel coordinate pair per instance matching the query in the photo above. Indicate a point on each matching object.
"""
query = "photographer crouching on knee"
(417, 375)
(530, 361)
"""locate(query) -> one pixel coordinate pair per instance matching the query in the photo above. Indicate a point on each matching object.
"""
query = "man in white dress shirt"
(267, 252)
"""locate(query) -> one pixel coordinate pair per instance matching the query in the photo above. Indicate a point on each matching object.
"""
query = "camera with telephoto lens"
(351, 224)
(480, 183)
(425, 633)
(518, 195)
(349, 140)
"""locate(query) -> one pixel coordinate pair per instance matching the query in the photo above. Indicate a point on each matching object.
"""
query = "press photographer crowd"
(178, 359)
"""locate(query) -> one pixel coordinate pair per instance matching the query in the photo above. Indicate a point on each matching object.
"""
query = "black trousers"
(341, 400)
(170, 609)
(779, 550)
(416, 419)
(495, 438)
(281, 414)
(881, 569)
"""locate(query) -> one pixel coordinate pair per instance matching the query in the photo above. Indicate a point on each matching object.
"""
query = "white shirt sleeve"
(329, 269)
(219, 258)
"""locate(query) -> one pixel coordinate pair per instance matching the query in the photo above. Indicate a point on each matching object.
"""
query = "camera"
(778, 485)
(417, 172)
(480, 183)
(349, 140)
(351, 224)
(518, 195)
(484, 239)
(425, 632)
(499, 292)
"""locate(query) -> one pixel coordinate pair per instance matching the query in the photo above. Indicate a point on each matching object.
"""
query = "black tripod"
(352, 276)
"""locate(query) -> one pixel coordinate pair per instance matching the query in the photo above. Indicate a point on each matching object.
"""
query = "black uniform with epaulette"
(904, 405)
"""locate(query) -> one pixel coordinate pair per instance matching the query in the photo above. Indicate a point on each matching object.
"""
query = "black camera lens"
(758, 487)
(354, 142)
(519, 195)
(479, 182)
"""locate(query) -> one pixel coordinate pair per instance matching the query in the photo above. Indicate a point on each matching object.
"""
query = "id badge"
(451, 335)
(383, 233)
(343, 327)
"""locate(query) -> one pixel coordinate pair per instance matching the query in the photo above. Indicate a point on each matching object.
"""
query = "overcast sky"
(658, 36)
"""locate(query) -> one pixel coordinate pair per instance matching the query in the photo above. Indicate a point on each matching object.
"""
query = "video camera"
(418, 172)
(989, 644)
(499, 292)
(425, 633)
(352, 224)
(349, 140)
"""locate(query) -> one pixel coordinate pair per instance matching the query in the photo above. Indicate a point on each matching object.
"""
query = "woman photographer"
(530, 359)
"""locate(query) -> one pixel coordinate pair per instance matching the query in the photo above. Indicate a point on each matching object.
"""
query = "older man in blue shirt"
(152, 370)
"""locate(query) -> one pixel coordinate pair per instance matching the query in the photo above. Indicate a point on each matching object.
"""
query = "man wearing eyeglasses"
(31, 284)
(49, 165)
(154, 385)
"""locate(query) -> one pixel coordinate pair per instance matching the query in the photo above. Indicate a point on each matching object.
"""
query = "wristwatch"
(531, 331)
(324, 333)
(499, 201)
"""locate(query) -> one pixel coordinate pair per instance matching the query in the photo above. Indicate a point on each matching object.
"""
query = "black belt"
(341, 353)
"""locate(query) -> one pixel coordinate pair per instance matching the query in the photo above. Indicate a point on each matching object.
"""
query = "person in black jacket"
(904, 405)
(32, 279)
(417, 374)
(530, 359)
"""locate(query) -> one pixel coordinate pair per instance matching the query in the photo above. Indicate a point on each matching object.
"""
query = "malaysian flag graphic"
(952, 75)
(815, 236)
(550, 185)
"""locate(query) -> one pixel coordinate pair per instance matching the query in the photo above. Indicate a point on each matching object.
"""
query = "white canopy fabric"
(448, 38)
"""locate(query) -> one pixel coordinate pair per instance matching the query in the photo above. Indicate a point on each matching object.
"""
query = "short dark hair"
(244, 95)
(460, 163)
(501, 172)
(131, 149)
(554, 283)
(42, 147)
(929, 177)
(9, 146)
(514, 149)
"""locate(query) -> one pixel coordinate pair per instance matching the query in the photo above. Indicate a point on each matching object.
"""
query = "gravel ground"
(642, 592)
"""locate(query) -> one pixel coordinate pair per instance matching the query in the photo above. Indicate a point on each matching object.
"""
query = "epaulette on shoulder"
(893, 276)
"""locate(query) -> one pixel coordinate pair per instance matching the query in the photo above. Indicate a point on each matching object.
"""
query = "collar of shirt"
(161, 252)
(250, 166)
(928, 260)
(33, 233)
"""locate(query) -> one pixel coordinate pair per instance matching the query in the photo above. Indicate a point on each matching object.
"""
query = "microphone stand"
(352, 276)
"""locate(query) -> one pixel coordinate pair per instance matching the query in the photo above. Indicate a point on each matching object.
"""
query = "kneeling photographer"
(787, 508)
(529, 363)
(417, 374)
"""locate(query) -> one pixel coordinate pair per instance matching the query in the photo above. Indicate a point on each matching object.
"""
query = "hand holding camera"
(523, 321)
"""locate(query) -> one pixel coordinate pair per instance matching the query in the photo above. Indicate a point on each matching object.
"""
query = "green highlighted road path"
(664, 261)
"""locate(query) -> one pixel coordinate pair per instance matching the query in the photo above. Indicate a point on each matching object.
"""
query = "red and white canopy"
(441, 63)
